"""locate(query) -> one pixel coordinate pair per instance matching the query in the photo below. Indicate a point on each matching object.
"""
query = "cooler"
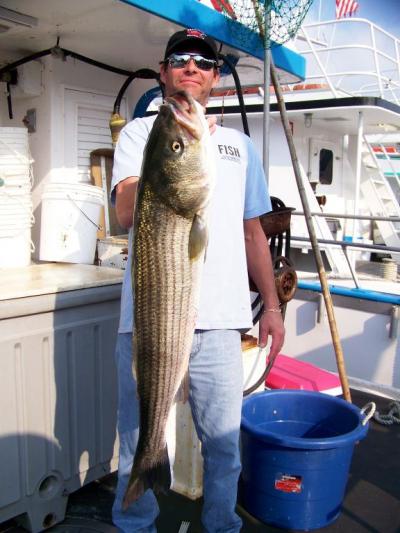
(290, 373)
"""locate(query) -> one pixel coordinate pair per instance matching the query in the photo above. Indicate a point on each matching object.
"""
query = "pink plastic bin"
(290, 373)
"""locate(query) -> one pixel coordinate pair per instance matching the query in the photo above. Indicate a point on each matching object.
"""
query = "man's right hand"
(125, 201)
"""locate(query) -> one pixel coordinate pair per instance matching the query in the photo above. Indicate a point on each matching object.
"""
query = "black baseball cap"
(191, 35)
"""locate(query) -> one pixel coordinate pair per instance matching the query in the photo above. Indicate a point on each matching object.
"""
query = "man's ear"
(163, 72)
(216, 78)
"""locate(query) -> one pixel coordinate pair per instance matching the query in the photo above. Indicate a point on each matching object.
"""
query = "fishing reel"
(276, 227)
(285, 279)
(285, 283)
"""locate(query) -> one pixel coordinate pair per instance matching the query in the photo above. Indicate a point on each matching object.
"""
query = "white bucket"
(16, 193)
(14, 146)
(15, 172)
(70, 218)
(16, 190)
(15, 200)
(15, 240)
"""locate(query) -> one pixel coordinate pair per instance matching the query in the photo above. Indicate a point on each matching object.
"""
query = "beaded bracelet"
(272, 310)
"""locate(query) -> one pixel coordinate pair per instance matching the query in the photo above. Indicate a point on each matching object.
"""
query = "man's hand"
(212, 123)
(125, 201)
(260, 268)
(271, 324)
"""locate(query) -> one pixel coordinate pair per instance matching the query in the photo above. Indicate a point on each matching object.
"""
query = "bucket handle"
(84, 214)
(372, 408)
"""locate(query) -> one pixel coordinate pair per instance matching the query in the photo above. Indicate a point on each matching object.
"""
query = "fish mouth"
(184, 109)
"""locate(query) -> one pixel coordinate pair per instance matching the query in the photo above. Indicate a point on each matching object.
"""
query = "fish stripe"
(164, 336)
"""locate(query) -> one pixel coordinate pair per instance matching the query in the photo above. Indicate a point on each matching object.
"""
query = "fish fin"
(134, 360)
(198, 237)
(182, 394)
(157, 478)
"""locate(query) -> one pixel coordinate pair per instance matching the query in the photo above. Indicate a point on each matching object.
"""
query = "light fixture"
(388, 128)
(12, 18)
(307, 120)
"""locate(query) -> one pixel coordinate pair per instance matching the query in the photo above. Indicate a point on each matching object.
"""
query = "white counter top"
(51, 278)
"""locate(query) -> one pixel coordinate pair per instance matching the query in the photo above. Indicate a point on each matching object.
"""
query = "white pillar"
(360, 134)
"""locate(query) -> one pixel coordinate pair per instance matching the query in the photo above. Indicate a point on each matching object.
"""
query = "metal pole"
(267, 83)
(266, 115)
(313, 238)
(264, 29)
(360, 133)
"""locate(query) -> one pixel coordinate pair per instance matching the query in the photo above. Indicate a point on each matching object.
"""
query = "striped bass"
(170, 238)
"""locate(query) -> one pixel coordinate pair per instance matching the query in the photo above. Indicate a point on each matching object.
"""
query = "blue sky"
(384, 13)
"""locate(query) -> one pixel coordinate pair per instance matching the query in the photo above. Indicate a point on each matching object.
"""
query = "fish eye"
(176, 146)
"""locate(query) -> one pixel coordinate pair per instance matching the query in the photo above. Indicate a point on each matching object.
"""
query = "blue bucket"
(296, 454)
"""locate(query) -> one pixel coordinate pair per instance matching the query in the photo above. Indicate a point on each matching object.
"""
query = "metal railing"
(328, 52)
(350, 244)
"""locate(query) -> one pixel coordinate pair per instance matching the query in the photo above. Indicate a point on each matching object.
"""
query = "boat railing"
(346, 244)
(392, 176)
(393, 181)
(333, 48)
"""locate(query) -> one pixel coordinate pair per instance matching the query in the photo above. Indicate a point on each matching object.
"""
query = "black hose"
(9, 101)
(262, 378)
(32, 57)
(144, 74)
(239, 92)
(48, 51)
(95, 63)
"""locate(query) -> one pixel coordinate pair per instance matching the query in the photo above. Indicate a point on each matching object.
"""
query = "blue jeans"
(216, 384)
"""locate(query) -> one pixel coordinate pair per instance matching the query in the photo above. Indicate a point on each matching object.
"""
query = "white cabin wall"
(362, 229)
(40, 140)
(47, 143)
(3, 105)
(49, 151)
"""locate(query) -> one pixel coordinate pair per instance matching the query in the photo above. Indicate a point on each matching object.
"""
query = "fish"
(169, 246)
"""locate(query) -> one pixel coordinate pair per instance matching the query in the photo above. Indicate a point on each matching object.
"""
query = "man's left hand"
(271, 324)
(212, 123)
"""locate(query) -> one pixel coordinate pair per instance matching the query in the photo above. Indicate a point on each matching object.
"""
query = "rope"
(22, 158)
(19, 156)
(392, 417)
(26, 206)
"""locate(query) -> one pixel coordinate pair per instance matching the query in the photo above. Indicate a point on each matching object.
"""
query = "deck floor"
(371, 504)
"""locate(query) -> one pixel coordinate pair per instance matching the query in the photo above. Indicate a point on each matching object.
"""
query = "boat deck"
(371, 505)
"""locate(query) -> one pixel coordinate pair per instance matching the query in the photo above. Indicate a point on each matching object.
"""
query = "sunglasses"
(181, 60)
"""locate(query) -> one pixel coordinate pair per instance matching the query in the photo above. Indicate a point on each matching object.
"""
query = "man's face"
(198, 83)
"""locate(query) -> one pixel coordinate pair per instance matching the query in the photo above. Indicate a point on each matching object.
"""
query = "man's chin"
(190, 86)
(193, 90)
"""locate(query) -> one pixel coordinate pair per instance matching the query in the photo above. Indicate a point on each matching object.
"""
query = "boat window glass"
(325, 166)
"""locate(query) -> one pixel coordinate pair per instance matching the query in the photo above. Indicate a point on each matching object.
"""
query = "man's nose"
(191, 65)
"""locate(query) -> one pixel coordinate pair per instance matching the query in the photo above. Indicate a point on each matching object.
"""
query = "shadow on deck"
(371, 505)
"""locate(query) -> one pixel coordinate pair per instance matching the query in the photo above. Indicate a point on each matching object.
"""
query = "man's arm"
(125, 195)
(260, 268)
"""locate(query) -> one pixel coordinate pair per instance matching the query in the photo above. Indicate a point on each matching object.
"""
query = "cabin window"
(325, 166)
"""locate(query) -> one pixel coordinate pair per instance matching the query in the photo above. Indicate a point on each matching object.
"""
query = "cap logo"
(195, 33)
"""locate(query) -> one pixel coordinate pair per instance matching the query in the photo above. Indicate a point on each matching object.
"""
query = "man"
(235, 233)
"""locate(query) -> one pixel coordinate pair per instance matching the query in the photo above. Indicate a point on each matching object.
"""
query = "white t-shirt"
(240, 193)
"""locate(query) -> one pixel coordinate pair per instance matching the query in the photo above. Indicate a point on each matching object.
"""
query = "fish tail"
(157, 477)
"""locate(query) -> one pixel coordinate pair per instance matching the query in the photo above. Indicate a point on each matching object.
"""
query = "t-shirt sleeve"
(128, 155)
(257, 200)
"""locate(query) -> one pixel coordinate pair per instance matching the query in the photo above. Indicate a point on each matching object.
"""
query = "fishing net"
(284, 17)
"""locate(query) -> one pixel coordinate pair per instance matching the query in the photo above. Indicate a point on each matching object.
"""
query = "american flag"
(345, 8)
